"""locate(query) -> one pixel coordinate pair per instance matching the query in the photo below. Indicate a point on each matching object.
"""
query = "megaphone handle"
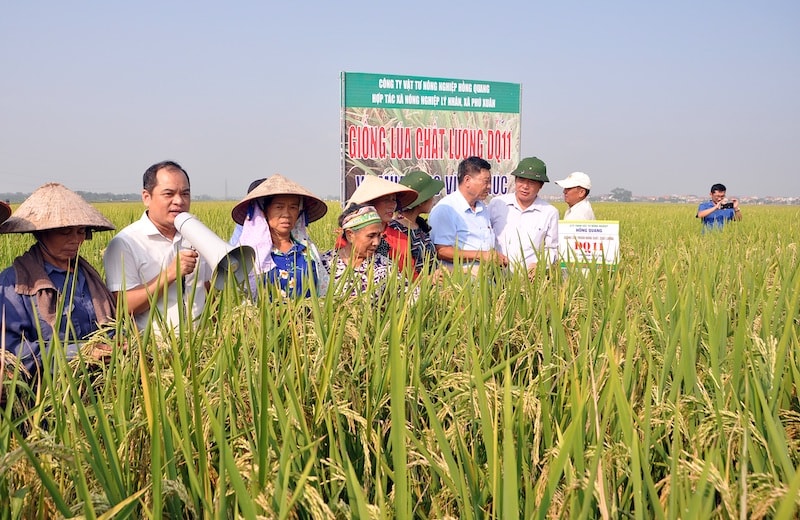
(183, 276)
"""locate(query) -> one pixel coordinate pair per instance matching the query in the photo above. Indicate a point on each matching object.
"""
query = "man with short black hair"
(460, 226)
(718, 210)
(150, 256)
(526, 225)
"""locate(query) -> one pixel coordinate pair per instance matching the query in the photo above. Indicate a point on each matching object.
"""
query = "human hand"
(188, 260)
(499, 258)
(101, 352)
(494, 256)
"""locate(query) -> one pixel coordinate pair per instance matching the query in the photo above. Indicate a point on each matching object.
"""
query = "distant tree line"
(91, 196)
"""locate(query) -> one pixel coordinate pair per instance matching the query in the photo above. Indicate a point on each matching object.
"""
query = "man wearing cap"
(51, 291)
(576, 189)
(526, 226)
(460, 225)
(150, 256)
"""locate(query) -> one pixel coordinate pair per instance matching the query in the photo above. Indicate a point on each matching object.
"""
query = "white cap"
(576, 179)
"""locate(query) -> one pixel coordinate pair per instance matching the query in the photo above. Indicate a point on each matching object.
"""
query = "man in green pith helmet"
(525, 225)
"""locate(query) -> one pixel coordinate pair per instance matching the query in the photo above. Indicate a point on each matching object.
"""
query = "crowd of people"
(156, 275)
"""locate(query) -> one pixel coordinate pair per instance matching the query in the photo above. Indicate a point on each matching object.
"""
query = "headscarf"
(255, 233)
(361, 218)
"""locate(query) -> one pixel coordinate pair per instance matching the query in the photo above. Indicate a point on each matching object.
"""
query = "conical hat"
(54, 206)
(5, 211)
(277, 184)
(374, 187)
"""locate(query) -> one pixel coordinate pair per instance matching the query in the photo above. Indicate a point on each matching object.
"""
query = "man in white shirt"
(150, 257)
(525, 225)
(576, 189)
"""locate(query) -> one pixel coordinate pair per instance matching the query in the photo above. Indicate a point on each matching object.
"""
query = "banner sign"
(392, 125)
(588, 242)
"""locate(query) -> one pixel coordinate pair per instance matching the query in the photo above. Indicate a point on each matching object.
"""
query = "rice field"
(666, 389)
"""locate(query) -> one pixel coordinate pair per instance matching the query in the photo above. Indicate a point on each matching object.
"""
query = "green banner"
(393, 124)
(393, 91)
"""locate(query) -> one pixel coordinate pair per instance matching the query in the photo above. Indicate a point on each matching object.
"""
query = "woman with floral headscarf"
(358, 251)
(386, 197)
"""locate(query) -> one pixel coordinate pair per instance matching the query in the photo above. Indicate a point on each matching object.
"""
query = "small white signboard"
(588, 242)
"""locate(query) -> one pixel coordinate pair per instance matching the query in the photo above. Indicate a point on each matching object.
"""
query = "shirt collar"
(297, 247)
(50, 269)
(535, 205)
(461, 204)
(151, 230)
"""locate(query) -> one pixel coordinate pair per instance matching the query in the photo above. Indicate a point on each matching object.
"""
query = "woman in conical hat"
(386, 197)
(357, 266)
(274, 218)
(51, 287)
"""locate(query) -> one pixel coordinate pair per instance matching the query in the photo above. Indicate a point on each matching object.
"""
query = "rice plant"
(664, 389)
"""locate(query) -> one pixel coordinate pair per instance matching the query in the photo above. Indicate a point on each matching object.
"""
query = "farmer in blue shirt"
(51, 291)
(718, 210)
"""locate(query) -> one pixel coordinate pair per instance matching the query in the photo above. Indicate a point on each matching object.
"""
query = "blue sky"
(657, 98)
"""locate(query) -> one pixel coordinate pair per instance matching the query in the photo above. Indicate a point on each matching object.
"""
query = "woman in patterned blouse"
(357, 260)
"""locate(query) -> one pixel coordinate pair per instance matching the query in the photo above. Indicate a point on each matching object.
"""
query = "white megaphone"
(225, 258)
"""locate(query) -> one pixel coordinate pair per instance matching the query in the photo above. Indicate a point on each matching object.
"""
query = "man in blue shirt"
(719, 210)
(460, 225)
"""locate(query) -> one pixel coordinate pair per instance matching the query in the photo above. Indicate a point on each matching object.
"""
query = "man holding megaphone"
(150, 257)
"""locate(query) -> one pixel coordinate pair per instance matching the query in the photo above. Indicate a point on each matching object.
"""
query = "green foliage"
(666, 389)
(621, 195)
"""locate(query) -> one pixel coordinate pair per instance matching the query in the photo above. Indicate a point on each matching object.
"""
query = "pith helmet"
(531, 168)
(423, 184)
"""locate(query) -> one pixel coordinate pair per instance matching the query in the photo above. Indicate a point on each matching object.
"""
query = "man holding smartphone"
(719, 210)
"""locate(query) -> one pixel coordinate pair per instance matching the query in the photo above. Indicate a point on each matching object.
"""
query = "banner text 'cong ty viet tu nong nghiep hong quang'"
(394, 124)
